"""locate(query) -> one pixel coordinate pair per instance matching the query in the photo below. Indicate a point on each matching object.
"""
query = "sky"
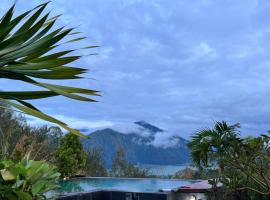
(180, 65)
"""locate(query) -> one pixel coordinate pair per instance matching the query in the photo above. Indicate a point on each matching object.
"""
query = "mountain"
(147, 144)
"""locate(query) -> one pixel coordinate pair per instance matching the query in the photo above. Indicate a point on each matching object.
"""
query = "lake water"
(164, 170)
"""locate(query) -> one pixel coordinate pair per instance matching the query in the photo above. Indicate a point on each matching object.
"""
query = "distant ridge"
(142, 146)
(148, 126)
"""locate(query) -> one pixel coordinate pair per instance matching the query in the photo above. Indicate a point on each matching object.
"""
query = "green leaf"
(45, 64)
(90, 47)
(52, 56)
(27, 104)
(31, 20)
(5, 21)
(75, 40)
(23, 195)
(43, 116)
(7, 175)
(37, 187)
(27, 95)
(18, 184)
(21, 37)
(68, 91)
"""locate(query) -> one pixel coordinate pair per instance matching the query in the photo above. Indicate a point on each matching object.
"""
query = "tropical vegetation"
(27, 179)
(243, 163)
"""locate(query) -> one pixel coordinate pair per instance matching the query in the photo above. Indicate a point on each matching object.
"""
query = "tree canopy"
(70, 156)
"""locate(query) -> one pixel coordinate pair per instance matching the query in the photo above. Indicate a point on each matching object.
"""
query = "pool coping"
(110, 177)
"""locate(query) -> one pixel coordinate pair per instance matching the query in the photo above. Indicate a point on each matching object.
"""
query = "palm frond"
(206, 143)
(26, 44)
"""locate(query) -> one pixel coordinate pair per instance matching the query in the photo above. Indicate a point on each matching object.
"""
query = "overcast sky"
(178, 64)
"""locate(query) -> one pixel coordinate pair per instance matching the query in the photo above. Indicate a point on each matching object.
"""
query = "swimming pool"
(121, 184)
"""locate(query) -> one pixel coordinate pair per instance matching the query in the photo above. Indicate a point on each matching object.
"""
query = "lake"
(164, 170)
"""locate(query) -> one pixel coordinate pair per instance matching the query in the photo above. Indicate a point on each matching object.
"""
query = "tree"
(206, 144)
(28, 50)
(243, 163)
(40, 143)
(122, 168)
(11, 129)
(119, 163)
(17, 138)
(70, 156)
(94, 164)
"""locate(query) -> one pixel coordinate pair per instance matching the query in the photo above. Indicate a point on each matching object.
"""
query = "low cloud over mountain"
(143, 143)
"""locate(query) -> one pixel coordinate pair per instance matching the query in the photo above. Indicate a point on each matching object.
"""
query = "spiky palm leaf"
(26, 42)
(206, 142)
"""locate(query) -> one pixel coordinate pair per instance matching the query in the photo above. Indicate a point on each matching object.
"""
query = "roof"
(198, 187)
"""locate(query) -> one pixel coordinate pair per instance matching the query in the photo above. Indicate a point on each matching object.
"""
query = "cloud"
(200, 52)
(131, 128)
(164, 140)
(75, 122)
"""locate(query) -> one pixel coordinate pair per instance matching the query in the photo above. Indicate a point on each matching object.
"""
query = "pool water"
(123, 184)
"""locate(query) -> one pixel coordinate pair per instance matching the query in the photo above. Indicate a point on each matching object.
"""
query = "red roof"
(198, 187)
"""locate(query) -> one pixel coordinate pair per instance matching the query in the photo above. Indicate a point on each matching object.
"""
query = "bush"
(187, 173)
(26, 179)
(193, 173)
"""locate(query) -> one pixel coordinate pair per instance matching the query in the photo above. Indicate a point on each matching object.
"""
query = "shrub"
(187, 173)
(26, 179)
